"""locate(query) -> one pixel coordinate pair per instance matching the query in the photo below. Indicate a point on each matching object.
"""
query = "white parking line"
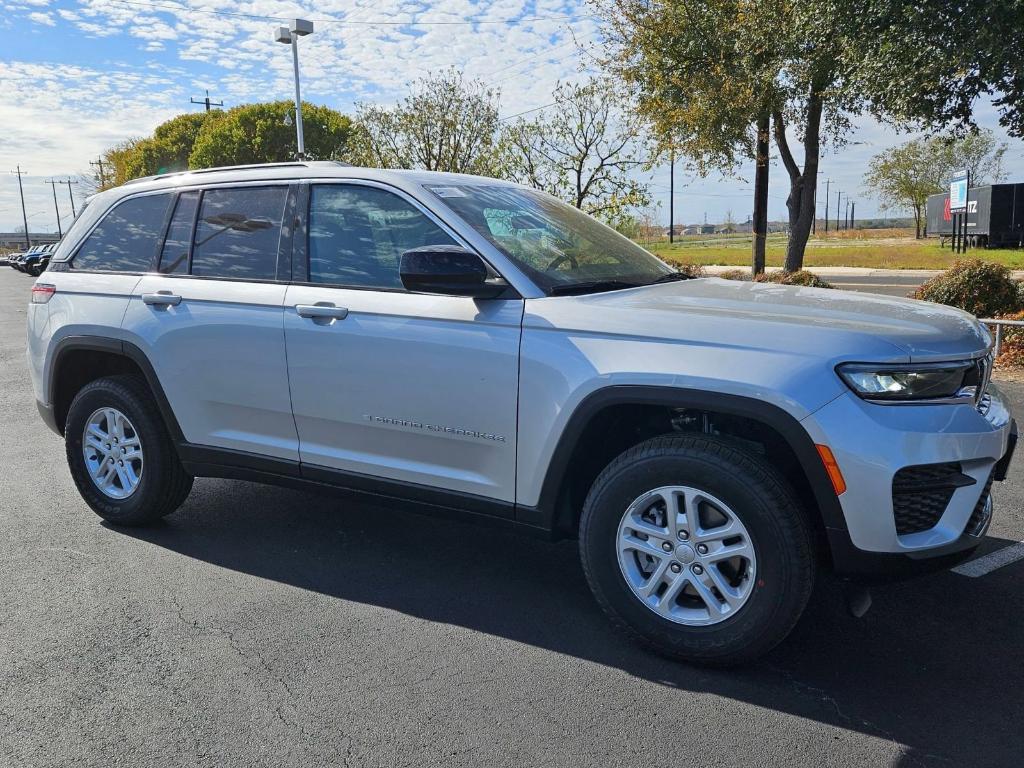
(991, 561)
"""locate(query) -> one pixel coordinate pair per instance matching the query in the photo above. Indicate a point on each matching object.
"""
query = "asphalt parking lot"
(264, 627)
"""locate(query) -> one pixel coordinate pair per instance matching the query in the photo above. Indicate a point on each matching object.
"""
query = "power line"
(348, 22)
(528, 59)
(514, 75)
(528, 111)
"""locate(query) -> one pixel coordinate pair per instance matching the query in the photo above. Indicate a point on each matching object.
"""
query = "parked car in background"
(35, 263)
(472, 345)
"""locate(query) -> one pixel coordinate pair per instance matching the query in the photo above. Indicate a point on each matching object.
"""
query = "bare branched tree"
(583, 152)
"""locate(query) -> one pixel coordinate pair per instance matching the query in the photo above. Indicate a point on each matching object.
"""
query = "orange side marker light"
(832, 468)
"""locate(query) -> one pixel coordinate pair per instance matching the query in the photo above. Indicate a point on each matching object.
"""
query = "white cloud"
(42, 18)
(165, 55)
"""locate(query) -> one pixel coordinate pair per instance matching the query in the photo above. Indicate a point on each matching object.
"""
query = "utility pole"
(853, 215)
(71, 197)
(672, 196)
(24, 217)
(827, 183)
(53, 186)
(846, 215)
(98, 162)
(207, 102)
(839, 197)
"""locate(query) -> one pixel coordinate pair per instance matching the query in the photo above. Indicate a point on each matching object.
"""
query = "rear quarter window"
(127, 238)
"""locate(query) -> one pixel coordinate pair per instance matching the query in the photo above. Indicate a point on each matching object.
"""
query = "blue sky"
(77, 77)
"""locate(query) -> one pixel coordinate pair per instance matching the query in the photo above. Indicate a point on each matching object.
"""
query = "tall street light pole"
(290, 35)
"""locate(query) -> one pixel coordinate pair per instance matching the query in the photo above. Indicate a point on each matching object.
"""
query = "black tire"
(765, 504)
(163, 484)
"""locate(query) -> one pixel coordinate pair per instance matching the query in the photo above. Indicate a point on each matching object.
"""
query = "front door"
(416, 389)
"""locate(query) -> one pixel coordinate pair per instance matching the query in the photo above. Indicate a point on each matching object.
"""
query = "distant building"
(17, 239)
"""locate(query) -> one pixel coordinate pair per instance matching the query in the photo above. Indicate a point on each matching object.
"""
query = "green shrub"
(982, 288)
(803, 277)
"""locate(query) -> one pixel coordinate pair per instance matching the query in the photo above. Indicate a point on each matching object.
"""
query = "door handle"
(161, 299)
(328, 311)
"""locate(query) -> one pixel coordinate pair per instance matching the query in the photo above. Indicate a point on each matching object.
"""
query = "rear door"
(210, 318)
(411, 388)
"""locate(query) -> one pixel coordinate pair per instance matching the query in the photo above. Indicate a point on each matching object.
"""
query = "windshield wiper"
(671, 277)
(595, 286)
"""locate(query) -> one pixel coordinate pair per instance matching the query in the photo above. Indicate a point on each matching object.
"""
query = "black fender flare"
(784, 423)
(125, 349)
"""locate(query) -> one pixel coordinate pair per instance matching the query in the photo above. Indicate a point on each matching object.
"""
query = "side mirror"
(450, 270)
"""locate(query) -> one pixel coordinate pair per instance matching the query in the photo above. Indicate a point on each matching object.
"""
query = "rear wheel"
(120, 455)
(697, 548)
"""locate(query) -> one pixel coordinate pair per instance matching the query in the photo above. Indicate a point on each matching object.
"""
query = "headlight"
(954, 382)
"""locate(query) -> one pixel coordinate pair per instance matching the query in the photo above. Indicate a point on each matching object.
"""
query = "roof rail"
(250, 167)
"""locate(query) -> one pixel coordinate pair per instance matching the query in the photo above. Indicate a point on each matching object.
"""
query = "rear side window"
(174, 258)
(357, 235)
(239, 232)
(127, 238)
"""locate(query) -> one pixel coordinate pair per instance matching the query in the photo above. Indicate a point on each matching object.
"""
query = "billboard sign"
(958, 191)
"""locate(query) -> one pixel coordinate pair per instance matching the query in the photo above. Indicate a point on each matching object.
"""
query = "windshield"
(558, 246)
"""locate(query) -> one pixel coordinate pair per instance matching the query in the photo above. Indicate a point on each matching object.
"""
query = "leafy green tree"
(903, 177)
(814, 64)
(445, 124)
(930, 62)
(170, 146)
(583, 152)
(265, 133)
(705, 77)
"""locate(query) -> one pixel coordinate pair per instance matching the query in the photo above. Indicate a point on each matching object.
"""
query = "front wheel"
(120, 455)
(697, 548)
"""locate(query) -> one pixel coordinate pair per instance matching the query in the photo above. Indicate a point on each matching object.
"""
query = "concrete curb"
(826, 272)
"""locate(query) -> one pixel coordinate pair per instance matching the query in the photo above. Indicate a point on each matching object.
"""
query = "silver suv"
(468, 344)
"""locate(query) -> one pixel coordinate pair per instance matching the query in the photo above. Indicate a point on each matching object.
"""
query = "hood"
(840, 325)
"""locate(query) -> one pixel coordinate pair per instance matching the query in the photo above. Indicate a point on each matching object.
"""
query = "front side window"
(357, 235)
(239, 232)
(127, 238)
(559, 246)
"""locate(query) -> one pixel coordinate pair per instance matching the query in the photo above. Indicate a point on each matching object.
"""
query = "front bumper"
(872, 443)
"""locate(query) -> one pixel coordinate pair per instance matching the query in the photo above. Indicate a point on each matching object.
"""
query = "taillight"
(42, 292)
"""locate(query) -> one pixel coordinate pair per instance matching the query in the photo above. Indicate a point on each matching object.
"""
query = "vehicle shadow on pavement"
(934, 666)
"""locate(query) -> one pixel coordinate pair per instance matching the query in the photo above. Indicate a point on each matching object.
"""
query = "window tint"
(357, 235)
(238, 233)
(174, 259)
(127, 238)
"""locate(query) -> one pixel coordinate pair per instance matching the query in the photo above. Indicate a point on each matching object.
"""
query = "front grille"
(920, 494)
(982, 512)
